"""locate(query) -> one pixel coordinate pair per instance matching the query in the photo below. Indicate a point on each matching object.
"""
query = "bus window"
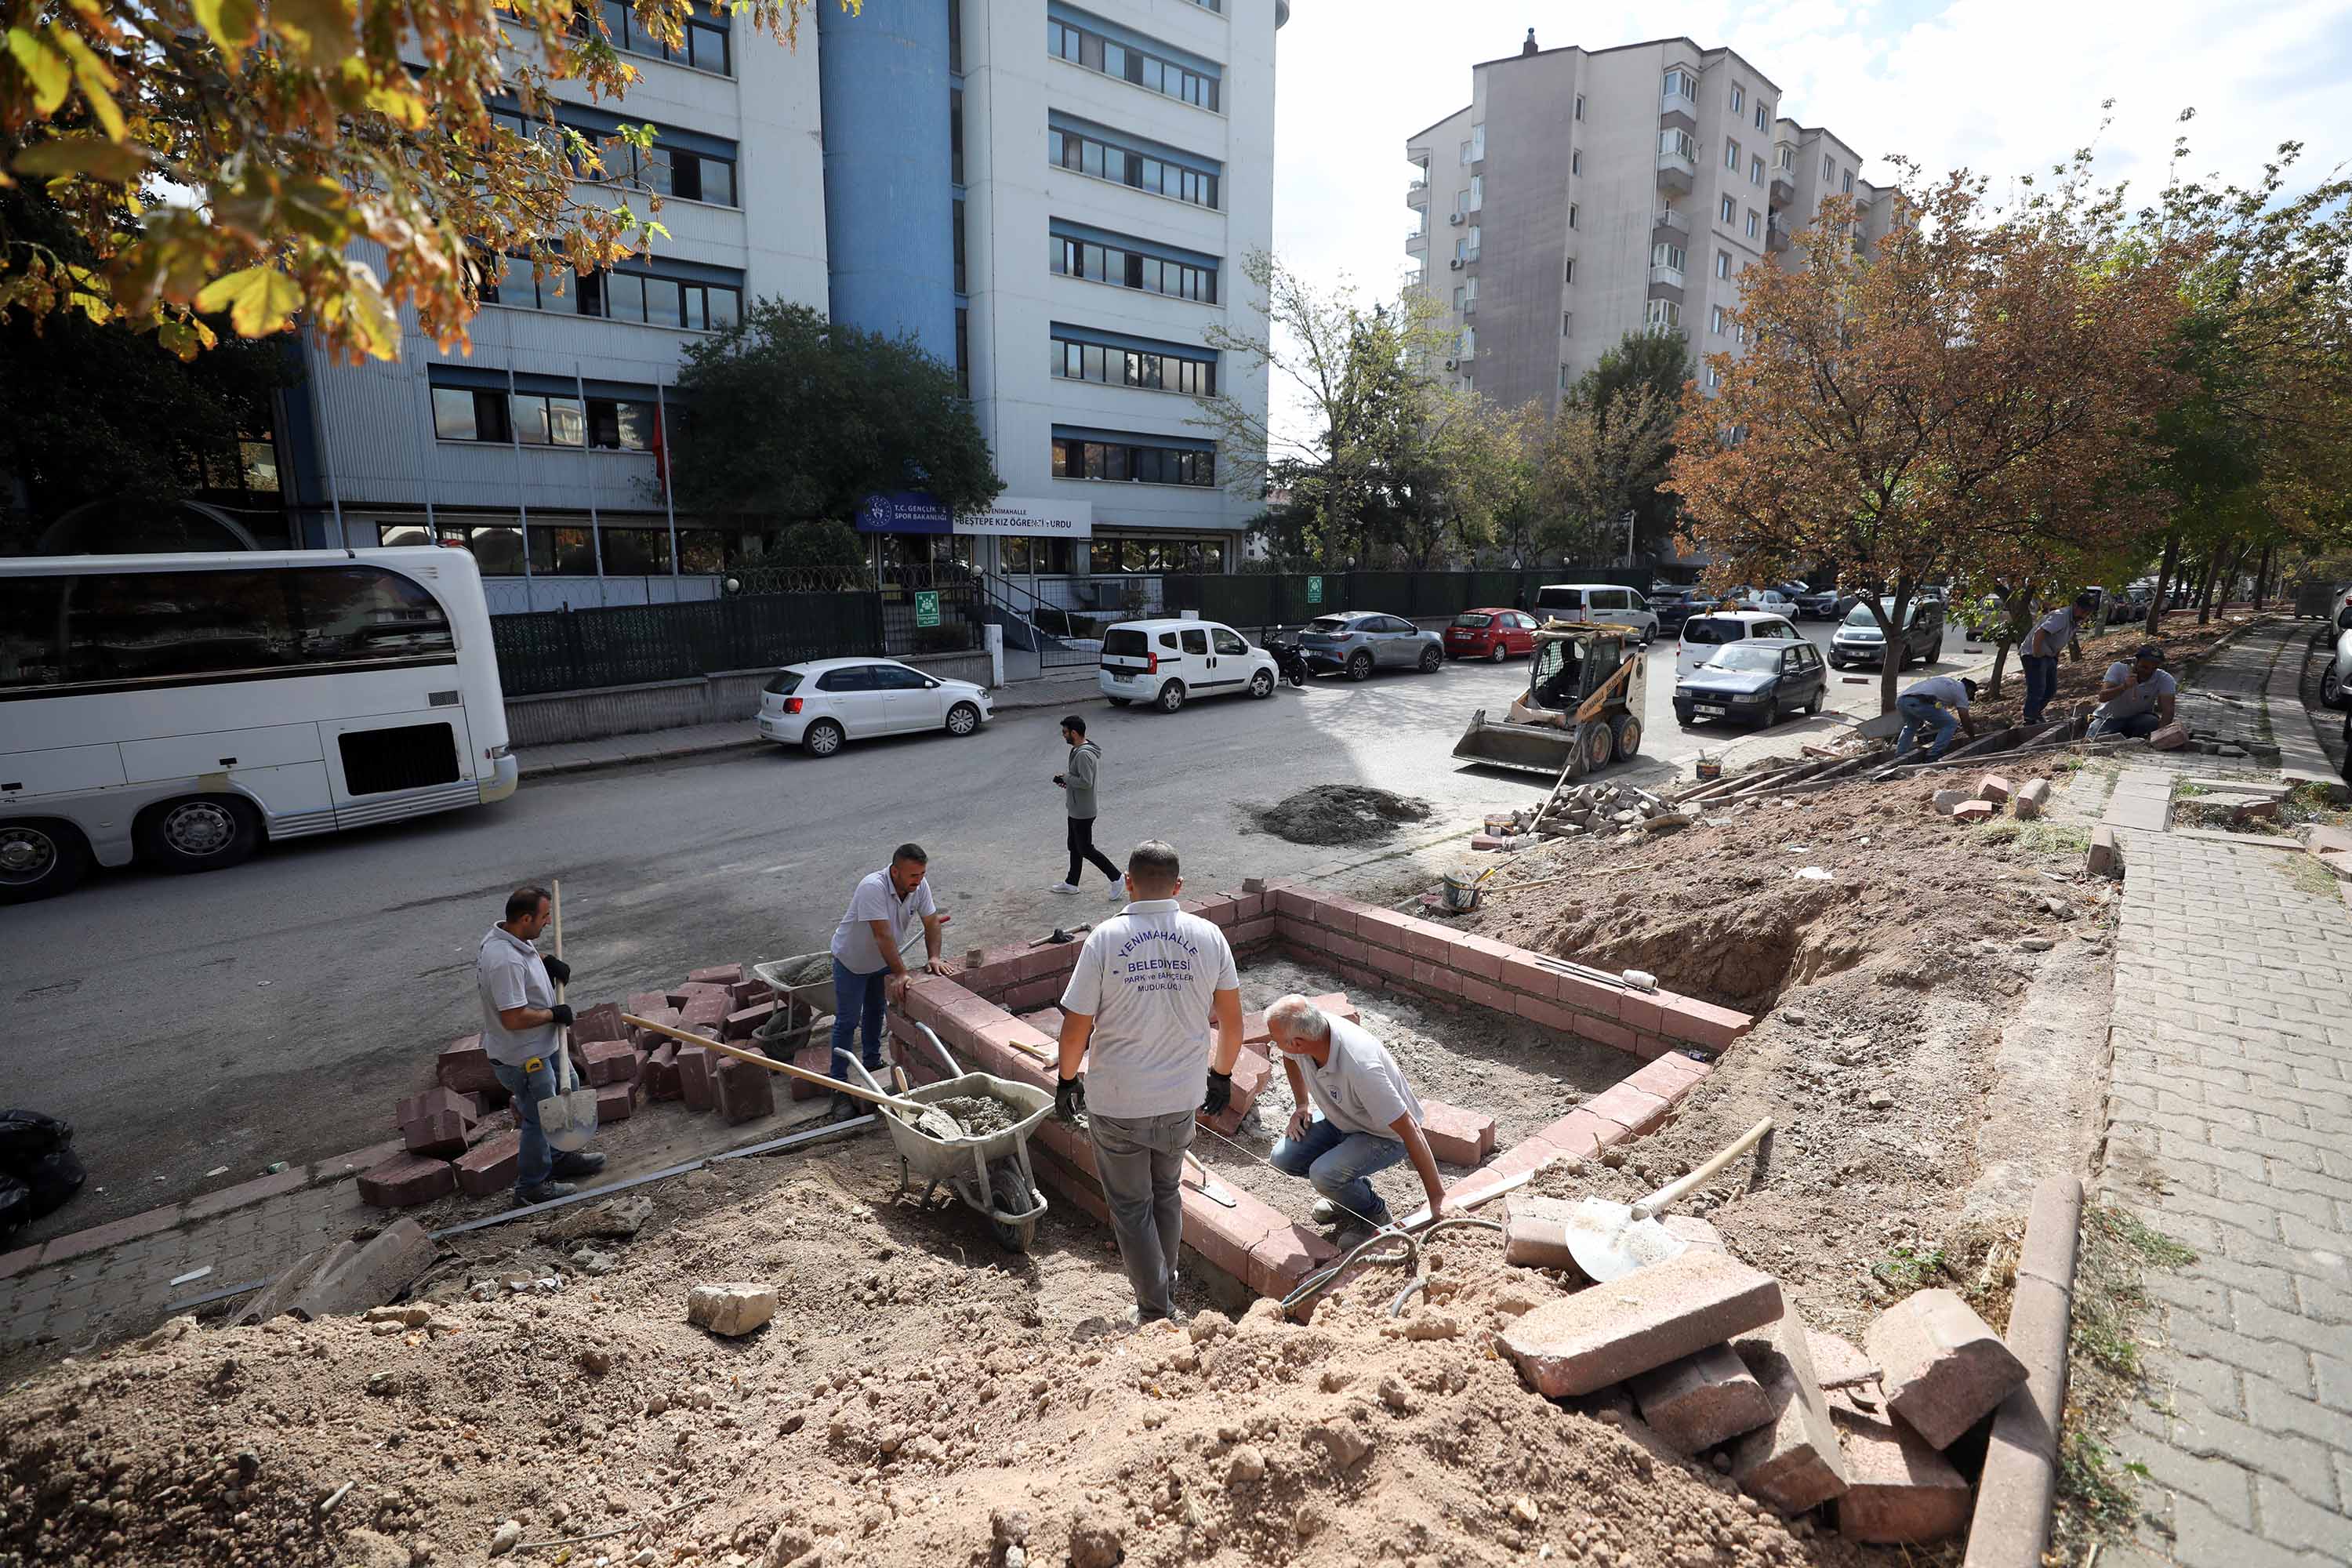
(30, 649)
(147, 626)
(351, 613)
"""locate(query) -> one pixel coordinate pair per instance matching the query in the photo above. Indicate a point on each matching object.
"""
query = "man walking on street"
(1150, 983)
(1077, 786)
(1370, 1118)
(1939, 703)
(868, 970)
(2038, 655)
(2137, 698)
(522, 1031)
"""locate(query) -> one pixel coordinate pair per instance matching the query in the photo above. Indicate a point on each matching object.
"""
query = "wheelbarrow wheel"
(1013, 1194)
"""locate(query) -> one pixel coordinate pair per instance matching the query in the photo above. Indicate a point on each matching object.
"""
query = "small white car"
(1704, 634)
(1166, 663)
(818, 705)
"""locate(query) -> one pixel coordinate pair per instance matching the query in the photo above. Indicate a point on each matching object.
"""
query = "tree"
(789, 418)
(215, 157)
(1657, 361)
(1601, 458)
(1978, 390)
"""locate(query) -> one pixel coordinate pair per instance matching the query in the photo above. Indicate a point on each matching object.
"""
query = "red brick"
(1581, 1133)
(716, 974)
(815, 1058)
(1793, 1462)
(1704, 1398)
(1314, 940)
(1436, 977)
(1702, 1024)
(1250, 933)
(440, 1134)
(2170, 738)
(1549, 1015)
(464, 1067)
(1530, 1155)
(1630, 1108)
(1900, 1490)
(1695, 1230)
(1046, 1021)
(661, 1073)
(1671, 1076)
(1535, 1231)
(406, 1180)
(1386, 928)
(1944, 1368)
(1293, 905)
(645, 1002)
(1480, 956)
(704, 1015)
(694, 1083)
(414, 1106)
(491, 1166)
(1337, 1005)
(1994, 788)
(749, 992)
(1076, 1186)
(1285, 1255)
(1432, 944)
(738, 1025)
(609, 1061)
(616, 1102)
(1837, 1363)
(1456, 1136)
(1602, 1001)
(1486, 994)
(1350, 950)
(1220, 908)
(1253, 1029)
(1608, 1032)
(1586, 1342)
(1224, 1236)
(1975, 811)
(1336, 912)
(647, 1039)
(1035, 993)
(1528, 977)
(1071, 1144)
(744, 1091)
(1641, 1012)
(601, 1022)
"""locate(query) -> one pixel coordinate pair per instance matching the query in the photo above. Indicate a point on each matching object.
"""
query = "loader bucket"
(1533, 748)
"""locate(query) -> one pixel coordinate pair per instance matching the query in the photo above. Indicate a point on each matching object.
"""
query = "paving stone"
(1943, 1367)
(1899, 1490)
(609, 1061)
(716, 974)
(693, 1078)
(1609, 1333)
(1702, 1399)
(661, 1078)
(1535, 1231)
(406, 1180)
(744, 1091)
(2032, 800)
(616, 1103)
(464, 1067)
(1994, 788)
(1455, 1136)
(741, 1024)
(815, 1058)
(491, 1166)
(1974, 811)
(601, 1022)
(439, 1134)
(1794, 1462)
(414, 1106)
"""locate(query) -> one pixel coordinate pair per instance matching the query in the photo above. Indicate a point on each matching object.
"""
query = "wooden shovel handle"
(555, 903)
(1670, 1192)
(788, 1069)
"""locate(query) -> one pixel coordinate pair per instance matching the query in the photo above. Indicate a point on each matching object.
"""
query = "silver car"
(1359, 641)
(2336, 680)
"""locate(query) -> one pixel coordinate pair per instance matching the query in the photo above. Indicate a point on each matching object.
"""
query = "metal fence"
(1261, 600)
(575, 650)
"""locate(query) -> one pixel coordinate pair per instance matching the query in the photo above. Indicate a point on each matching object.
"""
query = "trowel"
(1610, 1241)
(1209, 1187)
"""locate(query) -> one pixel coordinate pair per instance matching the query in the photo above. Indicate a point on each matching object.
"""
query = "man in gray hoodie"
(1077, 787)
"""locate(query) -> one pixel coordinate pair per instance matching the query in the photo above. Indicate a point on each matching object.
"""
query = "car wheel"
(1497, 654)
(1813, 704)
(1836, 662)
(823, 737)
(1599, 745)
(1629, 737)
(39, 859)
(2331, 691)
(1430, 659)
(200, 832)
(1171, 697)
(963, 718)
(1262, 683)
(1119, 701)
(1359, 666)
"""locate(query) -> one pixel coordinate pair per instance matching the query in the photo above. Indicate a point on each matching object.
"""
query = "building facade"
(1585, 195)
(1063, 230)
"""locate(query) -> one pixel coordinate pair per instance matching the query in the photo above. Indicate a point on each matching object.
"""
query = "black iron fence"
(1260, 600)
(575, 650)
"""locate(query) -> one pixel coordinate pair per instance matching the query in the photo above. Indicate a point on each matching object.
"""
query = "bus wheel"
(200, 832)
(39, 859)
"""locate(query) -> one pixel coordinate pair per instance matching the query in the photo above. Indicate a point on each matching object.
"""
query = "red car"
(1498, 635)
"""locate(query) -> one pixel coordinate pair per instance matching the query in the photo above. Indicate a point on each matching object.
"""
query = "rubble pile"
(1599, 809)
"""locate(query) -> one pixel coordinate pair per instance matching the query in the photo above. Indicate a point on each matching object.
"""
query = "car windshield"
(1125, 640)
(1473, 620)
(1332, 624)
(1862, 616)
(1711, 629)
(1746, 658)
(784, 683)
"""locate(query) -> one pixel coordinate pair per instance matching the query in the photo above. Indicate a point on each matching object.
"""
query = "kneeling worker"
(1370, 1118)
(2137, 698)
(1923, 707)
(522, 1031)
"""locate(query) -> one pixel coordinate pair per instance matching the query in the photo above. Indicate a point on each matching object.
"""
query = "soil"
(1338, 814)
(1524, 1075)
(919, 1398)
(2183, 640)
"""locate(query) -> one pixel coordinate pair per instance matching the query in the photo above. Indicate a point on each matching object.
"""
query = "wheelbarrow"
(990, 1174)
(801, 1008)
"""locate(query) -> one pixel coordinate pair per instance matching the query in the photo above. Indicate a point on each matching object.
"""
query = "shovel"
(1609, 1240)
(568, 1117)
(928, 1120)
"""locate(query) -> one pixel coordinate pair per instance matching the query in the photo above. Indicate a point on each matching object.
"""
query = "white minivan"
(1166, 663)
(1703, 635)
(1597, 602)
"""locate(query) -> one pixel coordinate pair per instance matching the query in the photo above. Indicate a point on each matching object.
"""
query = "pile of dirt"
(1338, 814)
(900, 1408)
(979, 1114)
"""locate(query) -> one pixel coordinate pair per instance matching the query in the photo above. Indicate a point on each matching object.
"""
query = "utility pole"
(1629, 540)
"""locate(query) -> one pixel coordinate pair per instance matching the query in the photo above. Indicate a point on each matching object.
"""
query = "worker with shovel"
(1370, 1118)
(522, 1031)
(868, 971)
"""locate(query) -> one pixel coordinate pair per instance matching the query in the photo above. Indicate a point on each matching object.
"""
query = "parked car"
(2127, 607)
(1673, 613)
(1585, 603)
(1747, 598)
(818, 705)
(1817, 604)
(1360, 641)
(1495, 635)
(1166, 663)
(2336, 680)
(1859, 640)
(1702, 635)
(1756, 679)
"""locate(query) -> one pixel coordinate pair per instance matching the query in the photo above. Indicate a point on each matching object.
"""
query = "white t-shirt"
(2053, 633)
(1943, 688)
(2140, 699)
(508, 972)
(1358, 1088)
(876, 900)
(1148, 978)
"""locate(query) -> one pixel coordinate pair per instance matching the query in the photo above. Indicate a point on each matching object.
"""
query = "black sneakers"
(577, 1163)
(545, 1193)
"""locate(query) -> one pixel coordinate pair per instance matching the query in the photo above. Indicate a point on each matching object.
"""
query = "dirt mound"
(1338, 814)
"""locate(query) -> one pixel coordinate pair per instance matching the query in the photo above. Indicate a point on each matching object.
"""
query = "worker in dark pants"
(869, 968)
(522, 1031)
(1077, 785)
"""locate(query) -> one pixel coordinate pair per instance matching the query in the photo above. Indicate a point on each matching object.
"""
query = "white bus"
(185, 709)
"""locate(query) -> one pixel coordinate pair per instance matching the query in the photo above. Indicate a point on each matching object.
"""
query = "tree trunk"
(2205, 591)
(1890, 663)
(2262, 576)
(2163, 583)
(2005, 631)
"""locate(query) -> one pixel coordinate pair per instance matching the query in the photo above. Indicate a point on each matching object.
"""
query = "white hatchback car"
(1704, 634)
(820, 704)
(1166, 663)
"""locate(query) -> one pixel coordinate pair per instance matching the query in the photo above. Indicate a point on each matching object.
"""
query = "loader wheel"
(1629, 737)
(1599, 745)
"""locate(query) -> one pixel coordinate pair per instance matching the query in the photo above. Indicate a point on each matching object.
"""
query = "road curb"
(526, 770)
(2011, 1525)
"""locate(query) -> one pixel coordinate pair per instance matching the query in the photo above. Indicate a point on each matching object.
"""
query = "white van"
(1166, 663)
(1704, 634)
(1597, 602)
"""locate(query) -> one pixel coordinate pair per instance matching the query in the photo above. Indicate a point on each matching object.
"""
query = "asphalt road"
(277, 1010)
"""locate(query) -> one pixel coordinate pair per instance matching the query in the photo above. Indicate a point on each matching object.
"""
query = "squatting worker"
(2043, 644)
(2138, 696)
(1150, 983)
(1939, 703)
(522, 1028)
(1077, 785)
(868, 968)
(1356, 1115)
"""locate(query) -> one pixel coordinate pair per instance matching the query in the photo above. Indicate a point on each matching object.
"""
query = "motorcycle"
(1288, 658)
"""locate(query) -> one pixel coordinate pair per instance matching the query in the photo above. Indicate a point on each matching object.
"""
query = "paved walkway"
(2229, 1129)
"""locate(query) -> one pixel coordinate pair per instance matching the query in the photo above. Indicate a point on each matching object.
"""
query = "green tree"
(789, 418)
(1602, 458)
(1609, 398)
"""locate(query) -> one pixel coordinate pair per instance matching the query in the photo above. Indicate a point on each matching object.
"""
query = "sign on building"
(1314, 590)
(926, 607)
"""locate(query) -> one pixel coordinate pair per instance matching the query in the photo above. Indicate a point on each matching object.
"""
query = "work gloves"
(562, 1013)
(1069, 1098)
(558, 971)
(1220, 1095)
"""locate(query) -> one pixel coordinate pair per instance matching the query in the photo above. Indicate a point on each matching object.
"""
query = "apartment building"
(1586, 194)
(1063, 229)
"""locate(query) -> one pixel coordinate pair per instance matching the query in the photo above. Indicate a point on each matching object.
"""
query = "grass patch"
(2036, 837)
(1904, 1269)
(2182, 789)
(2307, 876)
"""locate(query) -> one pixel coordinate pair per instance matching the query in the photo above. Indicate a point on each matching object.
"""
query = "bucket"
(1709, 768)
(1461, 892)
(1502, 823)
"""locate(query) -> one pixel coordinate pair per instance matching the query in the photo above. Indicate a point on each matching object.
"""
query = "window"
(1160, 176)
(1579, 106)
(676, 172)
(1755, 223)
(1679, 143)
(1845, 180)
(466, 414)
(1468, 342)
(1661, 315)
(955, 134)
(1152, 72)
(1681, 84)
(1568, 273)
(549, 419)
(1469, 244)
(1076, 458)
(1714, 320)
(1723, 264)
(1571, 223)
(622, 424)
(1195, 641)
(705, 48)
(1226, 642)
(1729, 207)
(1477, 143)
(1714, 378)
(1153, 372)
(1576, 160)
(964, 351)
(1738, 98)
(1755, 171)
(1074, 258)
(1763, 117)
(1732, 154)
(1829, 169)
(956, 218)
(1465, 154)
(634, 551)
(1563, 378)
(1477, 192)
(1665, 254)
(955, 36)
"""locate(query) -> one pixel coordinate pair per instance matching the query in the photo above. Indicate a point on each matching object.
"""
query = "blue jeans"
(2138, 726)
(855, 997)
(2041, 682)
(528, 1088)
(1920, 713)
(1338, 1162)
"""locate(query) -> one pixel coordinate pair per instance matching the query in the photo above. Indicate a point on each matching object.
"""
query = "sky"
(2003, 87)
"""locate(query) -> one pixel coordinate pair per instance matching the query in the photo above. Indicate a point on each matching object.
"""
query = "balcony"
(1416, 195)
(1677, 111)
(1666, 224)
(1665, 272)
(1416, 239)
(1784, 183)
(1677, 171)
(1776, 234)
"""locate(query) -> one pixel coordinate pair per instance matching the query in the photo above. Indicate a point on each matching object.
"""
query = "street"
(274, 1011)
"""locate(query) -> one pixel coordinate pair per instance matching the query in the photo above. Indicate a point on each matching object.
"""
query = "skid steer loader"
(1586, 689)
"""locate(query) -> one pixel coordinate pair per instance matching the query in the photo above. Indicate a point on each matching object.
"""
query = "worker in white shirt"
(523, 1032)
(2137, 697)
(868, 968)
(1356, 1115)
(2038, 655)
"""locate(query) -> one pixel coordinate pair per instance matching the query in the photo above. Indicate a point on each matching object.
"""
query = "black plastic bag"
(15, 1209)
(27, 1135)
(55, 1177)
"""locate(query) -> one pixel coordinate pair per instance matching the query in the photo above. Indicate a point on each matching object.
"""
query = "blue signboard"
(904, 511)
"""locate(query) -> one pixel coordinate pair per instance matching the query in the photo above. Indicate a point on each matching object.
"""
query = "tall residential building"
(1587, 193)
(1063, 226)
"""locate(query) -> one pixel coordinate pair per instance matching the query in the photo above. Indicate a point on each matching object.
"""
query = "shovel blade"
(1608, 1243)
(569, 1120)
